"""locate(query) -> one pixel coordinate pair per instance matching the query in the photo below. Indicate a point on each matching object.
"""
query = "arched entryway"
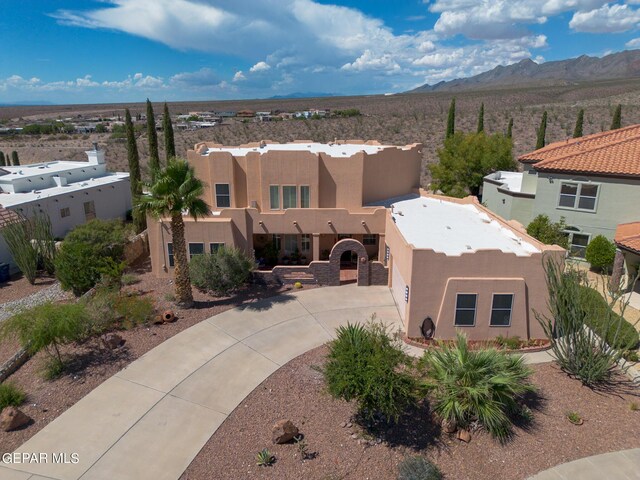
(346, 250)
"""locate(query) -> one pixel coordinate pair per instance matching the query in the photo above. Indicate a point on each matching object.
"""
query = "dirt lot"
(296, 392)
(397, 119)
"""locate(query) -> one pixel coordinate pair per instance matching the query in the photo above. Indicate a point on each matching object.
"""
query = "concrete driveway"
(152, 418)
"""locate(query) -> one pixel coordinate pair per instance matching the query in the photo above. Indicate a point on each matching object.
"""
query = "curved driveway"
(152, 418)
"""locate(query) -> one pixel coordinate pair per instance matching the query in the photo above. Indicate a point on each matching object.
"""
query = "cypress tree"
(481, 119)
(139, 220)
(154, 157)
(510, 128)
(169, 142)
(617, 118)
(451, 119)
(577, 132)
(14, 158)
(542, 131)
(2, 163)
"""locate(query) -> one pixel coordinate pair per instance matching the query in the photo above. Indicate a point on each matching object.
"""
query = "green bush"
(47, 327)
(547, 232)
(134, 310)
(10, 396)
(616, 331)
(418, 468)
(109, 309)
(600, 253)
(221, 272)
(91, 252)
(483, 385)
(365, 365)
(510, 343)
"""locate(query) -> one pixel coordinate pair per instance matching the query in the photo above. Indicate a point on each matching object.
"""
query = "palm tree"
(176, 190)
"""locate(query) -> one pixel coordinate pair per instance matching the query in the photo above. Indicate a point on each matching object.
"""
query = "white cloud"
(260, 67)
(239, 76)
(370, 61)
(633, 43)
(606, 19)
(201, 78)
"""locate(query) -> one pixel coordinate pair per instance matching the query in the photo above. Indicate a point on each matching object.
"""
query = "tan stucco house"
(309, 211)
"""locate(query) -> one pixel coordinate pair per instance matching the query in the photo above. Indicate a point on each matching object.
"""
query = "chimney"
(95, 156)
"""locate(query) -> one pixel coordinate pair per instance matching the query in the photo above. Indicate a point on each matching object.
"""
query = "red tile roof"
(616, 152)
(7, 216)
(628, 236)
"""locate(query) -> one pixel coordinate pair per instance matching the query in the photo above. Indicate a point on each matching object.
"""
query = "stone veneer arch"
(349, 245)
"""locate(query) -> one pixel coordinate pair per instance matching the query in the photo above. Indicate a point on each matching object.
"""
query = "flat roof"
(13, 199)
(453, 228)
(38, 169)
(332, 149)
(511, 181)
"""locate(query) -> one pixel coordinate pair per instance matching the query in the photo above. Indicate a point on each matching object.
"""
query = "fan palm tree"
(175, 192)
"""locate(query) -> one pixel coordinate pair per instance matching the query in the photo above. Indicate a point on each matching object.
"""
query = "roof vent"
(448, 227)
(400, 213)
(469, 247)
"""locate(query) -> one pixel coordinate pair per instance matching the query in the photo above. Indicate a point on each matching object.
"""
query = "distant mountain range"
(303, 95)
(26, 103)
(622, 65)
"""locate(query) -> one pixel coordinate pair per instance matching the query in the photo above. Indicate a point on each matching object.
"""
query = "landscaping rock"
(449, 426)
(113, 340)
(12, 418)
(284, 431)
(464, 436)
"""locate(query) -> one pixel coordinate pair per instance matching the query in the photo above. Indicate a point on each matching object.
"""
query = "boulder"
(12, 418)
(284, 431)
(464, 436)
(113, 340)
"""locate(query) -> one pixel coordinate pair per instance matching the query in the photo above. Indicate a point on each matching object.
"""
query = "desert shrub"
(47, 327)
(129, 279)
(366, 365)
(418, 468)
(134, 310)
(511, 343)
(10, 396)
(616, 331)
(576, 349)
(221, 272)
(109, 309)
(89, 252)
(483, 385)
(548, 232)
(600, 253)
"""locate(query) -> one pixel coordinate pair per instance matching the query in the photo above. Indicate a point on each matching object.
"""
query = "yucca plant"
(483, 385)
(265, 458)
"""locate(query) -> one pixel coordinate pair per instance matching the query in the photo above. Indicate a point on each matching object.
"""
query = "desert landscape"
(394, 119)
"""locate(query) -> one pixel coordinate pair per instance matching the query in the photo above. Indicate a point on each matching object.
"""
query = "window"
(89, 210)
(290, 243)
(170, 253)
(274, 197)
(223, 195)
(306, 242)
(465, 309)
(196, 249)
(65, 212)
(304, 196)
(369, 240)
(501, 310)
(289, 197)
(578, 244)
(214, 247)
(342, 236)
(580, 196)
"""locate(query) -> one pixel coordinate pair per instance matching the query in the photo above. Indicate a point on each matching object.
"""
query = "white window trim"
(570, 239)
(215, 193)
(279, 207)
(510, 309)
(578, 192)
(475, 310)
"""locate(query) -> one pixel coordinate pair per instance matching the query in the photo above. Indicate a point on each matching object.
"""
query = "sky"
(104, 51)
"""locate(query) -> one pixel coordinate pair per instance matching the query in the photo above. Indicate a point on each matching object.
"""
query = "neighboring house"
(6, 217)
(627, 262)
(71, 193)
(327, 208)
(593, 182)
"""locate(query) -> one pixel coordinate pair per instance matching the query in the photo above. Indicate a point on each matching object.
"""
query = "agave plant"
(265, 458)
(483, 385)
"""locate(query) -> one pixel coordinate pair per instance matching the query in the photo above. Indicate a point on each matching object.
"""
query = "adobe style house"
(308, 211)
(592, 181)
(70, 193)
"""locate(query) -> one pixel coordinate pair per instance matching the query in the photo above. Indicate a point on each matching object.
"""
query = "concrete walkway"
(624, 465)
(151, 419)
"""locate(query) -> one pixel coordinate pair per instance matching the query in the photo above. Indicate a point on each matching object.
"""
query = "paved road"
(152, 418)
(624, 465)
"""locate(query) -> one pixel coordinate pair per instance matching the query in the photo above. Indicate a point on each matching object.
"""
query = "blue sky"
(92, 51)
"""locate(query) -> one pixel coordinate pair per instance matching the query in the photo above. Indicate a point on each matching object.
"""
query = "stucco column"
(618, 271)
(315, 246)
(381, 248)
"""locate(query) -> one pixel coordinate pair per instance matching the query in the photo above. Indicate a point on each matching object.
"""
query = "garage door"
(398, 286)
